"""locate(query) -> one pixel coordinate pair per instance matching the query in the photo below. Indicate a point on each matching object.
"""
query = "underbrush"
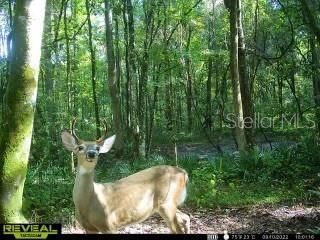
(285, 174)
(48, 195)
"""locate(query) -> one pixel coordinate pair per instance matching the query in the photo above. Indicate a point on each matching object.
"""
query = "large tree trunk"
(131, 62)
(208, 116)
(131, 116)
(112, 80)
(315, 50)
(49, 78)
(20, 103)
(93, 71)
(234, 58)
(148, 9)
(312, 17)
(128, 72)
(244, 82)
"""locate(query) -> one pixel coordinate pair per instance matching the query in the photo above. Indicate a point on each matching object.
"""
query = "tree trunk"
(312, 16)
(280, 89)
(292, 85)
(141, 102)
(49, 79)
(20, 103)
(208, 115)
(93, 72)
(112, 80)
(244, 82)
(118, 58)
(152, 103)
(128, 72)
(315, 51)
(68, 65)
(148, 9)
(48, 66)
(131, 93)
(9, 39)
(208, 120)
(234, 58)
(189, 81)
(132, 64)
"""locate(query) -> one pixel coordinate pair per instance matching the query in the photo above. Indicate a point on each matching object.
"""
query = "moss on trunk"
(20, 102)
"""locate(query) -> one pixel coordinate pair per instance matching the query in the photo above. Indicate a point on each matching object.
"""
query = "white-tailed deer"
(106, 207)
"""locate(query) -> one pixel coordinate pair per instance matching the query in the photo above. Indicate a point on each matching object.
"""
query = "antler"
(104, 123)
(73, 130)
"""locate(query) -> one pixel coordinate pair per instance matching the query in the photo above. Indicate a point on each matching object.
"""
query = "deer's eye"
(81, 148)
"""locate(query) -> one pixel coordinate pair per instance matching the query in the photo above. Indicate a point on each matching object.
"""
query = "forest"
(228, 90)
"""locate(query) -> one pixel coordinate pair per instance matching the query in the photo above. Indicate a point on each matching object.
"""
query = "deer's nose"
(91, 154)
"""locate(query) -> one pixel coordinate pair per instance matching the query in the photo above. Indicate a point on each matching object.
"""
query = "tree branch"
(180, 21)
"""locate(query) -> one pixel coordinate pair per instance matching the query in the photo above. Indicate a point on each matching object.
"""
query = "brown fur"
(106, 207)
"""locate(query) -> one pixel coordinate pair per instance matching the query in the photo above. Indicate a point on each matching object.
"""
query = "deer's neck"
(83, 187)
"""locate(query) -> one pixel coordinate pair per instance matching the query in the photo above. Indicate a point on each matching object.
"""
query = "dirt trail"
(280, 219)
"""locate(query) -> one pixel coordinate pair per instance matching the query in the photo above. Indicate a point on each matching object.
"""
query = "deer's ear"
(68, 141)
(107, 144)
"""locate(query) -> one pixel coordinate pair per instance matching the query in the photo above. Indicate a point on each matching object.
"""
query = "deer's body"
(106, 207)
(99, 208)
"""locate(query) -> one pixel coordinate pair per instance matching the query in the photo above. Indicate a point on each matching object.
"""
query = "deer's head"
(87, 152)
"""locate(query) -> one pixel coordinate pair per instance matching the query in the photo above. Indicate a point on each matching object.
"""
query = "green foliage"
(316, 230)
(203, 185)
(48, 194)
(284, 174)
(189, 163)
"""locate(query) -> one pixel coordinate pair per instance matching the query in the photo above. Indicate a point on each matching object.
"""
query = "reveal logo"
(31, 231)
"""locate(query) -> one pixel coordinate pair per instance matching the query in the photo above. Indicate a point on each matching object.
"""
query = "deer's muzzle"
(91, 154)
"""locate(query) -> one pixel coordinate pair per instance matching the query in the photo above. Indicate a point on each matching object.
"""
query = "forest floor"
(262, 219)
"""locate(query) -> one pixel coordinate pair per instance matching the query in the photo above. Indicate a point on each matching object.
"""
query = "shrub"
(203, 185)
